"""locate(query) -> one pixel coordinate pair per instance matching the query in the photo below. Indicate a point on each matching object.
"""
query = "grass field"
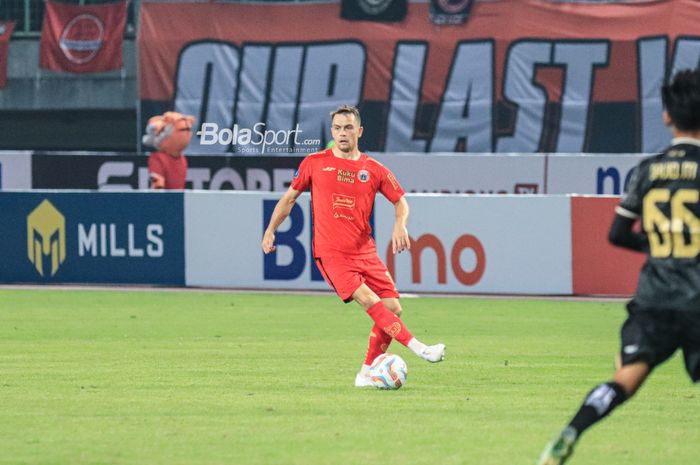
(194, 378)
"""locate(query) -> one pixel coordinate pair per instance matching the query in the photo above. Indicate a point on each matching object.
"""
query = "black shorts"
(654, 336)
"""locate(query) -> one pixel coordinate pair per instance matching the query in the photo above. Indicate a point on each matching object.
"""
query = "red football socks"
(390, 323)
(378, 344)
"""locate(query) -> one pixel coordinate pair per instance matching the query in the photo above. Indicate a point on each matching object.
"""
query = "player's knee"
(394, 306)
(631, 376)
(365, 297)
(366, 300)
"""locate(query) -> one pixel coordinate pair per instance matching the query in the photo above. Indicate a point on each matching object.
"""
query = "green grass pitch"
(195, 378)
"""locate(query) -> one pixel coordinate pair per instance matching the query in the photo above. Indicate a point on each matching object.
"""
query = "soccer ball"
(388, 371)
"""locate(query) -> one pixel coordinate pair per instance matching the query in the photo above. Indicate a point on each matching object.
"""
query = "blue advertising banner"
(92, 237)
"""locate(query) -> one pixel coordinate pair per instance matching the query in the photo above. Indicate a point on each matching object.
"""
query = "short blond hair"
(348, 110)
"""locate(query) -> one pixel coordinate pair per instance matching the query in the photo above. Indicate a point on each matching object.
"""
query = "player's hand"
(268, 242)
(400, 240)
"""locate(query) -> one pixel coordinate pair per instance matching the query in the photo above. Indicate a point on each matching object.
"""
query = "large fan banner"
(518, 76)
(6, 28)
(82, 38)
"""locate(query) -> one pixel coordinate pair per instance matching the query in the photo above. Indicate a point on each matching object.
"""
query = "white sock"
(416, 346)
(364, 371)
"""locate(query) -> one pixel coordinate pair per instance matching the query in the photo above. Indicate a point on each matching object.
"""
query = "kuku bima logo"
(46, 237)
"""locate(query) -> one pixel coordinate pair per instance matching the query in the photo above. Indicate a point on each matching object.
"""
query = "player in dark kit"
(664, 314)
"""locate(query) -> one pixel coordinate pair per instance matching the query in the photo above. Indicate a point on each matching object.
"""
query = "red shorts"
(346, 275)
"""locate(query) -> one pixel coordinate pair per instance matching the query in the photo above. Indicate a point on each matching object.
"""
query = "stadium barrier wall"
(491, 244)
(15, 170)
(461, 244)
(421, 173)
(598, 267)
(92, 237)
(501, 244)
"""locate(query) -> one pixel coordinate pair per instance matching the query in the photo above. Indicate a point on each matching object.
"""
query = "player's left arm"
(400, 240)
(622, 232)
(392, 190)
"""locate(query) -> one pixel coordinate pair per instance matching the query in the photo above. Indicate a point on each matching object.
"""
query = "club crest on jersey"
(363, 175)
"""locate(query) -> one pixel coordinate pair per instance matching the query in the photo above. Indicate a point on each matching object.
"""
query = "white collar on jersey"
(685, 140)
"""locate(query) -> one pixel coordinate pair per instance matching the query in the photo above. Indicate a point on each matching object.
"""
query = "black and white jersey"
(663, 193)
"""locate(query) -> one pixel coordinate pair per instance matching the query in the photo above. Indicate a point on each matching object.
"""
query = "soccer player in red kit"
(344, 183)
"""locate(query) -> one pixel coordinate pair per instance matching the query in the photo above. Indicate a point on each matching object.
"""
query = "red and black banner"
(82, 38)
(6, 28)
(518, 76)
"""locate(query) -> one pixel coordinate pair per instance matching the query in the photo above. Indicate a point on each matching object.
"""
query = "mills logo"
(46, 237)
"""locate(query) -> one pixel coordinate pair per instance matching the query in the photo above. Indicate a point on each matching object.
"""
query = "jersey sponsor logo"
(346, 176)
(363, 175)
(46, 237)
(328, 168)
(343, 201)
(343, 216)
(630, 349)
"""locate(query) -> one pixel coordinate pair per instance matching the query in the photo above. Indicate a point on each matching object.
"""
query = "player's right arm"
(279, 214)
(300, 183)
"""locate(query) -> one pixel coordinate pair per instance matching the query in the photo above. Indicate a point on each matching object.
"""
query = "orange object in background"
(598, 267)
(6, 28)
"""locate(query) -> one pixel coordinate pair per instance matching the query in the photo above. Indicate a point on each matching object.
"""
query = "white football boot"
(363, 380)
(433, 354)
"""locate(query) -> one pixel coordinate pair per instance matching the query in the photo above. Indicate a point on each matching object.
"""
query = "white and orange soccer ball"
(388, 371)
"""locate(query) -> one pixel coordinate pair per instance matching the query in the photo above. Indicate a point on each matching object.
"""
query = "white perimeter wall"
(15, 170)
(525, 240)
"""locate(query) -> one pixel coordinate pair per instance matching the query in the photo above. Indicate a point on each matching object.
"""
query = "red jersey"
(342, 198)
(172, 170)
